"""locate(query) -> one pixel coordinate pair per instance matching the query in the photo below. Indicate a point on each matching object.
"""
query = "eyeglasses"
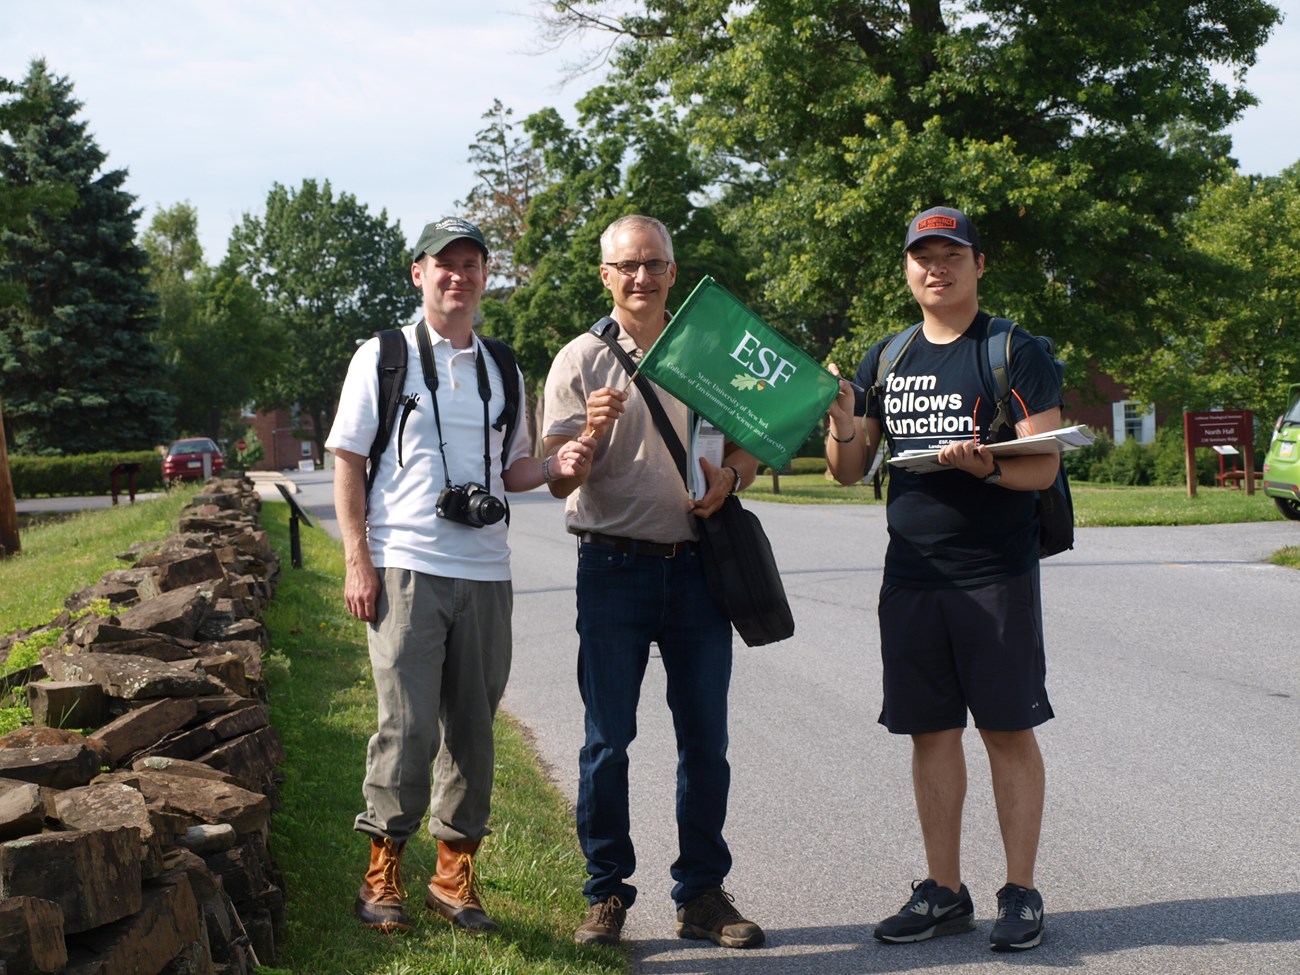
(630, 268)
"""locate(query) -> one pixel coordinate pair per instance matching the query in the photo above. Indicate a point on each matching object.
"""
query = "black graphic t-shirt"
(948, 529)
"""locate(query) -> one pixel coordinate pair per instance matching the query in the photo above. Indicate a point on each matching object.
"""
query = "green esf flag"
(728, 365)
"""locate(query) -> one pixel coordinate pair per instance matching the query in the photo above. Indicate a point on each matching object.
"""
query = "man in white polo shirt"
(428, 568)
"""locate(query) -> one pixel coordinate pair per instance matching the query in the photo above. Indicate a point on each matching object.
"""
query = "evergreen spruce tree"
(79, 370)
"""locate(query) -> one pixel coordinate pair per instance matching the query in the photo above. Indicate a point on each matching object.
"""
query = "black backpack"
(392, 377)
(1055, 506)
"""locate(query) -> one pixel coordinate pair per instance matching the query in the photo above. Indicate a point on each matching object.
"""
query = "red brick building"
(287, 440)
(1103, 406)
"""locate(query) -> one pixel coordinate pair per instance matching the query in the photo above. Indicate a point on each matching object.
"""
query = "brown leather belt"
(632, 546)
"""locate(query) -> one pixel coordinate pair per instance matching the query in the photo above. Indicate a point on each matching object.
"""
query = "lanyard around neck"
(484, 393)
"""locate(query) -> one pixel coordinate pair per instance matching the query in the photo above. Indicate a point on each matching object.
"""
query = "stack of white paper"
(1067, 438)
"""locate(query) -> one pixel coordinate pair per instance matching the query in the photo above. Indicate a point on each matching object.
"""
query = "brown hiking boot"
(713, 916)
(604, 923)
(379, 902)
(453, 891)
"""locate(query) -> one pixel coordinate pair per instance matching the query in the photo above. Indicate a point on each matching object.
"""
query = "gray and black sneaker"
(932, 910)
(1020, 919)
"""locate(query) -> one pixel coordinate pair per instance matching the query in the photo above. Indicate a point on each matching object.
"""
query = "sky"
(212, 102)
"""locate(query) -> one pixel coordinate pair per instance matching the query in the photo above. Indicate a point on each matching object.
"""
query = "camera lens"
(485, 509)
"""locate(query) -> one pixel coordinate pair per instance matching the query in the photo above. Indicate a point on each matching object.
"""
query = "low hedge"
(82, 474)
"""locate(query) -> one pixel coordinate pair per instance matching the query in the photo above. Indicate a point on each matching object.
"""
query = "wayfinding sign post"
(1220, 428)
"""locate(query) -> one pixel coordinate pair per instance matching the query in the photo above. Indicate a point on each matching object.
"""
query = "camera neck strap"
(484, 393)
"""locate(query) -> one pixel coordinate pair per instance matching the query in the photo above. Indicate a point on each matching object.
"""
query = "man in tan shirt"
(640, 581)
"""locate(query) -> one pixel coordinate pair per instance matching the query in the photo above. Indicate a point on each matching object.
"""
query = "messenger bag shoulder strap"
(607, 331)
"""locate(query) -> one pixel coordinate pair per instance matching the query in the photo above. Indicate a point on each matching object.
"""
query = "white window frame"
(1120, 420)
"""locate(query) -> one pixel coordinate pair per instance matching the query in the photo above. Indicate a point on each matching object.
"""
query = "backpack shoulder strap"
(504, 357)
(392, 377)
(997, 348)
(892, 352)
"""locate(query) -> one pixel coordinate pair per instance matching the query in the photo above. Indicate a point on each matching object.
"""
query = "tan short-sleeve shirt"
(634, 489)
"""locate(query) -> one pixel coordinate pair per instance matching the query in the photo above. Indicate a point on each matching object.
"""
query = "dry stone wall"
(137, 843)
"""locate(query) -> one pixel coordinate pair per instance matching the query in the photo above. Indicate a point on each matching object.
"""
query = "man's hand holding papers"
(1066, 438)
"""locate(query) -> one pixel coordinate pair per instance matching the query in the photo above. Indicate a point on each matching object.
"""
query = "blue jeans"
(626, 602)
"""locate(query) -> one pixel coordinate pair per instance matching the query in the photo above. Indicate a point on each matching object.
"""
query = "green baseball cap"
(440, 233)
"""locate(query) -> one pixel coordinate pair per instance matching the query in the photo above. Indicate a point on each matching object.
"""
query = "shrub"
(1171, 458)
(252, 452)
(15, 717)
(27, 652)
(1162, 462)
(82, 474)
(1129, 463)
(1088, 463)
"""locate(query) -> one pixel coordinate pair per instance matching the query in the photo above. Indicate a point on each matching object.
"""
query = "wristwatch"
(736, 484)
(996, 475)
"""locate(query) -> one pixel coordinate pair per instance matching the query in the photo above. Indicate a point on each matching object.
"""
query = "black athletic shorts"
(949, 651)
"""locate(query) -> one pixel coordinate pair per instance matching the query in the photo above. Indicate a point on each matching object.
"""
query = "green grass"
(1289, 557)
(810, 489)
(323, 706)
(58, 557)
(1094, 504)
(1116, 505)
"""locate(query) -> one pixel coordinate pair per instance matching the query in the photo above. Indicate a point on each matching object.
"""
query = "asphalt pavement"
(1171, 841)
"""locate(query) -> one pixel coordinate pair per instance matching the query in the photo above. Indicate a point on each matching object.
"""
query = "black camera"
(470, 504)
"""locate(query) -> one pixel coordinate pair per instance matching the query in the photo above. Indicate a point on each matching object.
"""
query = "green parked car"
(1282, 462)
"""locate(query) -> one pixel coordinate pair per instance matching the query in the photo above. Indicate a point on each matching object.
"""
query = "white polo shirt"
(402, 528)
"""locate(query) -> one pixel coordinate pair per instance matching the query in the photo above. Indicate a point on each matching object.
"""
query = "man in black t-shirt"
(959, 606)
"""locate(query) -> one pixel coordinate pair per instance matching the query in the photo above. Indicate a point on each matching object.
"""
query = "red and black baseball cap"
(942, 222)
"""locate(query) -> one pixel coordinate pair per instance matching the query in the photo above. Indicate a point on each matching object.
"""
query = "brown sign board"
(1221, 427)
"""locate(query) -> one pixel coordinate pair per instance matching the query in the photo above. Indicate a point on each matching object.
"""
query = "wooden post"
(10, 544)
(1191, 454)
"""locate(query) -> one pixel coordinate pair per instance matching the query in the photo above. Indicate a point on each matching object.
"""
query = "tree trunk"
(9, 542)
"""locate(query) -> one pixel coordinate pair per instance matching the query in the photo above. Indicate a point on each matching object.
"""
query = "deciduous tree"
(1074, 134)
(221, 344)
(619, 160)
(330, 273)
(508, 173)
(1232, 338)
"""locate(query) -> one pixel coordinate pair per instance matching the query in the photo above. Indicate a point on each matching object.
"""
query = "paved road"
(62, 506)
(1172, 836)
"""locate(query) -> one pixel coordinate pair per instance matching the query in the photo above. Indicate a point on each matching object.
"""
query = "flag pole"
(591, 431)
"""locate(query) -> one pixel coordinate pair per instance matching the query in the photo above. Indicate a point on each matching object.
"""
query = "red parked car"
(184, 460)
